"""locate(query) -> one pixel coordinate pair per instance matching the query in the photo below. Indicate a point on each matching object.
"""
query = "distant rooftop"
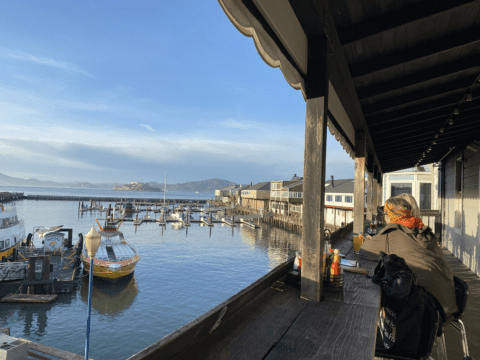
(260, 186)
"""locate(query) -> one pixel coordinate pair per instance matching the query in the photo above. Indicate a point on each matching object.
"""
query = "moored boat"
(115, 258)
(12, 230)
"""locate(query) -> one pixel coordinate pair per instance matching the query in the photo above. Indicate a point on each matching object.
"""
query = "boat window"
(7, 243)
(1, 244)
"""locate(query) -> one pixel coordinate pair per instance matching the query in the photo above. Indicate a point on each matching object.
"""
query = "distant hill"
(13, 181)
(209, 185)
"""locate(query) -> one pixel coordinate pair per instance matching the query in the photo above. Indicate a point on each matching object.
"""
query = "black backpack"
(408, 311)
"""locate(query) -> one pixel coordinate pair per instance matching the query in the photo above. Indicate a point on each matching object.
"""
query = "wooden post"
(381, 200)
(370, 186)
(359, 184)
(46, 271)
(375, 188)
(314, 168)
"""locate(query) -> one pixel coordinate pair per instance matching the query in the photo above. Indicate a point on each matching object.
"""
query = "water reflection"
(111, 299)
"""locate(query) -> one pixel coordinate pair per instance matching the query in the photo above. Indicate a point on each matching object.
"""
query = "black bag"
(408, 311)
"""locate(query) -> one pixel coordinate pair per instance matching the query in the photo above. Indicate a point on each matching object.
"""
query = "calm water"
(181, 275)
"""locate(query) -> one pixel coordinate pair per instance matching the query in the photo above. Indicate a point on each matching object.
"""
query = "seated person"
(406, 236)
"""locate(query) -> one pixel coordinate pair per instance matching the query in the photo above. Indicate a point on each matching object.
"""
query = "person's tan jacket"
(421, 253)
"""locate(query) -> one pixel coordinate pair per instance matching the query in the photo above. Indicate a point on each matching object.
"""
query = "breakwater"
(113, 199)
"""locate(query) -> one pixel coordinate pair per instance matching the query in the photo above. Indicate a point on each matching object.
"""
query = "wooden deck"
(269, 320)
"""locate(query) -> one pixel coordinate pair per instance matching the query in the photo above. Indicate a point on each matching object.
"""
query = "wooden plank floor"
(281, 325)
(471, 319)
(254, 329)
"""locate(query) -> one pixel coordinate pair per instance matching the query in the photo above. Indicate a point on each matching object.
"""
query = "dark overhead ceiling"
(412, 64)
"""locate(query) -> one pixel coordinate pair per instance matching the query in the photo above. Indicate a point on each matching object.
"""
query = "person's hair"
(413, 204)
(399, 202)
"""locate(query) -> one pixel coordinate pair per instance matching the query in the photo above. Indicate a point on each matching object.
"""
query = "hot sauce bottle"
(335, 268)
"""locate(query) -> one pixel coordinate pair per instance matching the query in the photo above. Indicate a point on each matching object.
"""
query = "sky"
(123, 91)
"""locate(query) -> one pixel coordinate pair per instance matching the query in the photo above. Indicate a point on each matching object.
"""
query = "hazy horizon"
(119, 92)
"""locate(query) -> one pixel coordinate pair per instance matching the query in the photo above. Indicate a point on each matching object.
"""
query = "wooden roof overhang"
(406, 73)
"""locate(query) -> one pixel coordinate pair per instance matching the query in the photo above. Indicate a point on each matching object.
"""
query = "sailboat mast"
(165, 188)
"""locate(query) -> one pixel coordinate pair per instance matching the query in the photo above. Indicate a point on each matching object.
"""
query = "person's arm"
(371, 248)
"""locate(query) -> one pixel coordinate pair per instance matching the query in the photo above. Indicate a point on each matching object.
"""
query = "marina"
(180, 276)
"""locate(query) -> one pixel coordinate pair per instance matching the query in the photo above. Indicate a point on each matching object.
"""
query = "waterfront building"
(257, 196)
(280, 193)
(224, 194)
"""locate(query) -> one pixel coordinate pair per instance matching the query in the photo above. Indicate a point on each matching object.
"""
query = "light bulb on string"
(442, 130)
(469, 95)
(436, 136)
(456, 111)
(450, 121)
(434, 142)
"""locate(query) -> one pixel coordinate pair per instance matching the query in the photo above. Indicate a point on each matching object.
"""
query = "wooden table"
(342, 326)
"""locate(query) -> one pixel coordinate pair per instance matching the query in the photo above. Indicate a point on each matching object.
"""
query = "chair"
(461, 297)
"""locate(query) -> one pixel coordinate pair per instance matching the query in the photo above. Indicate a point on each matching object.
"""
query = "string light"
(456, 111)
(450, 121)
(434, 142)
(469, 95)
(436, 136)
(442, 130)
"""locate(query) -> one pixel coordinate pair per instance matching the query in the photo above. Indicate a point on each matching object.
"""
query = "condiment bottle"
(335, 268)
(328, 247)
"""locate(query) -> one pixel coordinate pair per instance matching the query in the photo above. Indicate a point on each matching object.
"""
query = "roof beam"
(428, 135)
(447, 104)
(316, 19)
(420, 76)
(445, 89)
(427, 48)
(422, 147)
(439, 116)
(397, 18)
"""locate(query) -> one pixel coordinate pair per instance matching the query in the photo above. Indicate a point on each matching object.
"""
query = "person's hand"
(369, 236)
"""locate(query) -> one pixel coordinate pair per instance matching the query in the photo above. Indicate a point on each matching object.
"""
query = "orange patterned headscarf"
(402, 216)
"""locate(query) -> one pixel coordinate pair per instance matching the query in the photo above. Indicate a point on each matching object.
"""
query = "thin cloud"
(23, 56)
(148, 127)
(243, 125)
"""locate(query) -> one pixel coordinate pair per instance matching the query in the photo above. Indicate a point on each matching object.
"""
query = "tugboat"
(115, 258)
(12, 230)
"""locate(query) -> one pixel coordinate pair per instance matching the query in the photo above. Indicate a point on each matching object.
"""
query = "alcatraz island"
(137, 186)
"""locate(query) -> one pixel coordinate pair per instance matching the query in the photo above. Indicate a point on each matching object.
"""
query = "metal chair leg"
(458, 324)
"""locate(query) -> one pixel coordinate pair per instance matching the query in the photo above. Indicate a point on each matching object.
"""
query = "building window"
(348, 199)
(297, 195)
(426, 196)
(329, 197)
(338, 198)
(401, 188)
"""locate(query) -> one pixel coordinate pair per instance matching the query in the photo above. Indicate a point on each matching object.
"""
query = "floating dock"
(249, 223)
(29, 298)
(112, 199)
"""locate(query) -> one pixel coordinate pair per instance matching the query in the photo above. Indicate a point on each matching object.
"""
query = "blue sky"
(123, 91)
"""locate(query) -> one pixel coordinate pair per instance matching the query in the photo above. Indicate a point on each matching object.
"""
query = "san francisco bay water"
(181, 275)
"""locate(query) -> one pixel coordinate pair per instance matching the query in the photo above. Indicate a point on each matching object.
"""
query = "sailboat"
(164, 208)
(115, 258)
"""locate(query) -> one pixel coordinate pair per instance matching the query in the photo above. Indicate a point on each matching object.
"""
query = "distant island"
(137, 186)
(208, 186)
